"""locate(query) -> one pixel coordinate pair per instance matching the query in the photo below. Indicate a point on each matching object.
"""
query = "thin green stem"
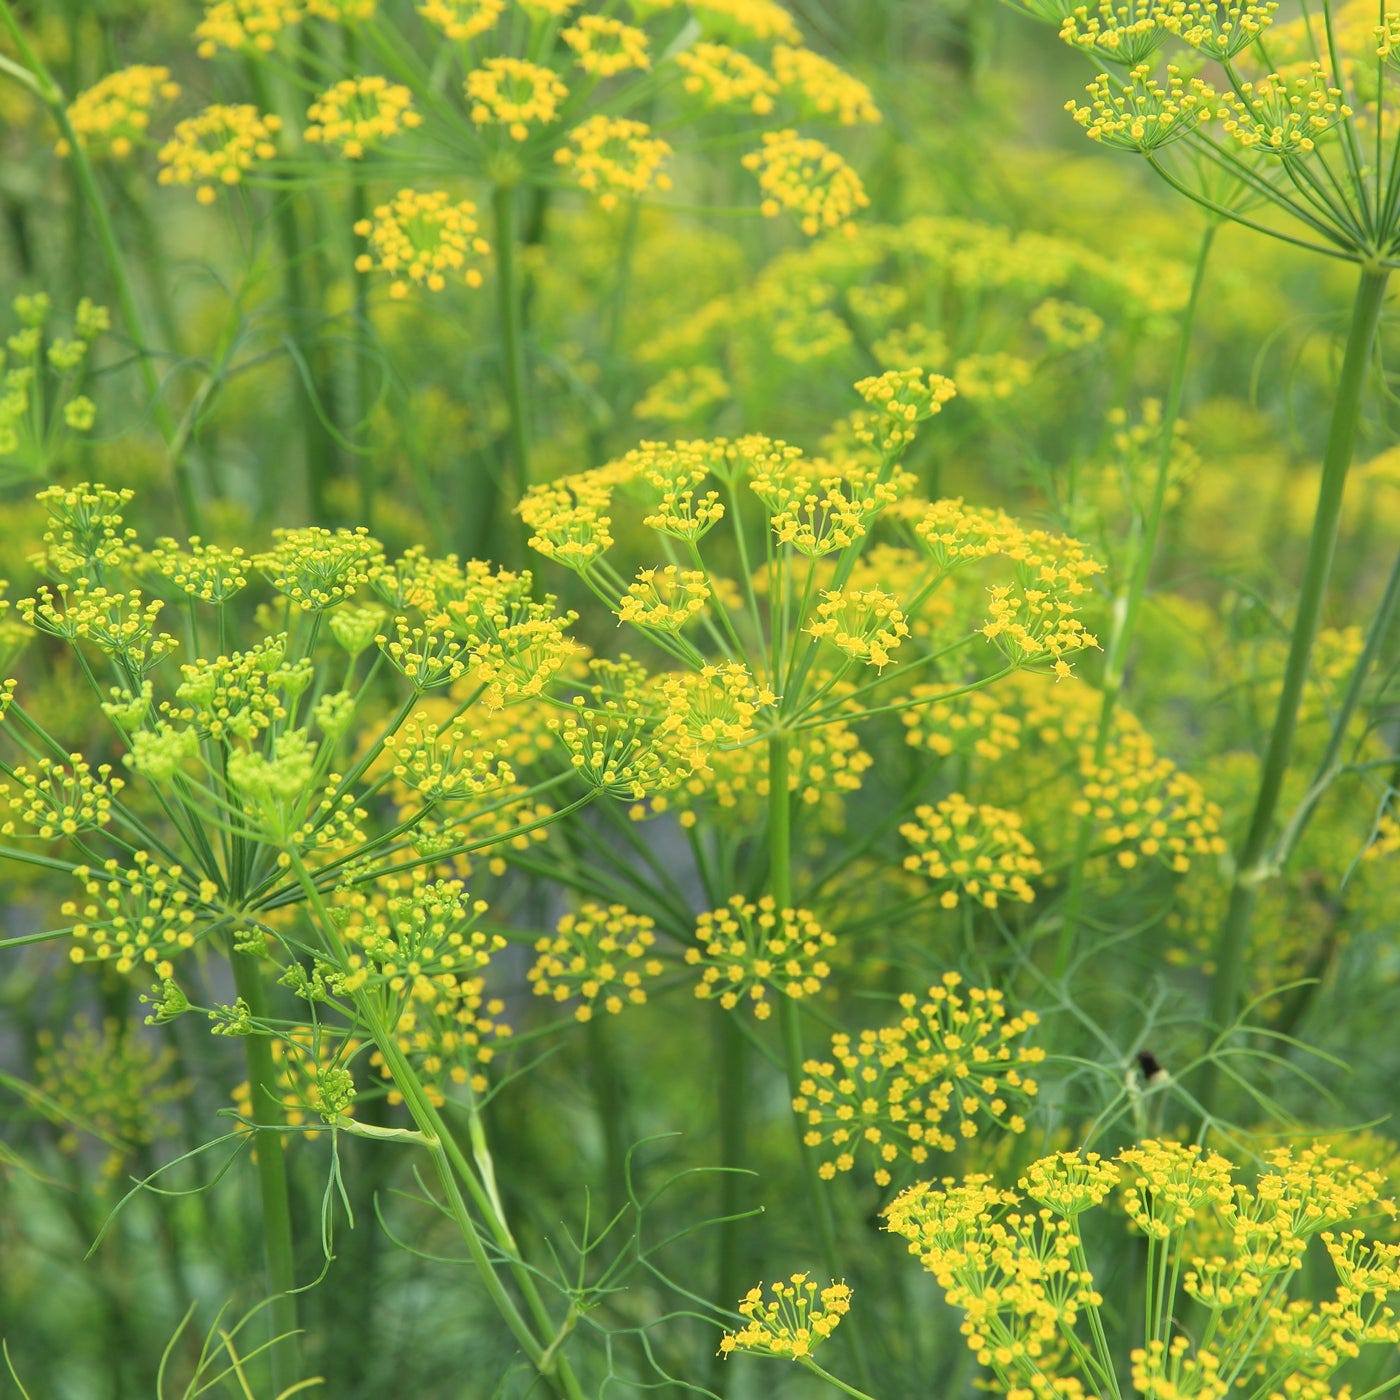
(1128, 605)
(284, 1351)
(317, 442)
(1329, 766)
(48, 91)
(511, 316)
(1253, 862)
(456, 1172)
(790, 1021)
(734, 1098)
(834, 1380)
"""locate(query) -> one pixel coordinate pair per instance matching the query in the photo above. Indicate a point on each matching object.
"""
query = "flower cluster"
(599, 957)
(800, 174)
(423, 238)
(615, 156)
(248, 25)
(1285, 114)
(356, 114)
(56, 800)
(1235, 1249)
(114, 1082)
(112, 117)
(416, 953)
(747, 952)
(514, 94)
(893, 1093)
(217, 148)
(1144, 114)
(140, 916)
(971, 851)
(792, 1323)
(1144, 806)
(604, 47)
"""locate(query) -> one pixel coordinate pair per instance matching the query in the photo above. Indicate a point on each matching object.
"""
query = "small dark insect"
(1150, 1068)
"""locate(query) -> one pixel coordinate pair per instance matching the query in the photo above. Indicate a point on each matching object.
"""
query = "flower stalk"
(44, 87)
(1146, 529)
(1257, 859)
(283, 1351)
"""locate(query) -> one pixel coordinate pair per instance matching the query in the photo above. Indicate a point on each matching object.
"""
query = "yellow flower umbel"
(1144, 806)
(749, 951)
(218, 147)
(866, 624)
(895, 1093)
(1285, 114)
(725, 77)
(1220, 30)
(792, 1323)
(1142, 114)
(56, 800)
(1122, 31)
(599, 957)
(113, 116)
(1033, 1312)
(665, 598)
(110, 1080)
(611, 157)
(800, 174)
(423, 239)
(418, 955)
(358, 113)
(141, 916)
(604, 47)
(462, 20)
(823, 87)
(244, 25)
(971, 851)
(514, 94)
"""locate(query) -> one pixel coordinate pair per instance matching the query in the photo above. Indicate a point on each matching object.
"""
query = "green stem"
(834, 1380)
(790, 1023)
(455, 1173)
(1254, 862)
(317, 442)
(610, 1106)
(732, 1083)
(48, 92)
(510, 312)
(1330, 765)
(284, 1354)
(1128, 605)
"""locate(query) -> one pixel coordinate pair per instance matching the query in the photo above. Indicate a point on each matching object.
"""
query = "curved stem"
(456, 1173)
(1253, 862)
(1129, 604)
(284, 1351)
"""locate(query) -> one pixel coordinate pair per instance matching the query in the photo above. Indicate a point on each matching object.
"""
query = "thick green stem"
(1254, 862)
(285, 1354)
(52, 97)
(511, 317)
(1128, 605)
